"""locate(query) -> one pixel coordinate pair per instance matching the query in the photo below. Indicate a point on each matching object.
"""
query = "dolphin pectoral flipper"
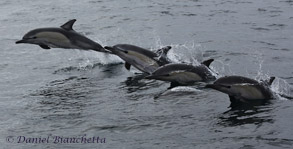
(232, 101)
(238, 101)
(44, 46)
(127, 66)
(68, 25)
(235, 101)
(173, 84)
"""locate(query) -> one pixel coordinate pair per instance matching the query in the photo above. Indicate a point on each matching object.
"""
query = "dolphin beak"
(150, 77)
(210, 86)
(21, 41)
(155, 76)
(217, 86)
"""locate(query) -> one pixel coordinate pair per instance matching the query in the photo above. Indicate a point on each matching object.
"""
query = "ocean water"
(67, 94)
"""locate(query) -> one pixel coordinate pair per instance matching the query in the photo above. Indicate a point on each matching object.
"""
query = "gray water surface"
(71, 93)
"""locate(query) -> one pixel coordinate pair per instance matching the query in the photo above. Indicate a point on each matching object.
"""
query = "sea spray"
(282, 88)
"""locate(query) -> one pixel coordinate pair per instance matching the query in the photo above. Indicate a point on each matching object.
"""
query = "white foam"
(180, 90)
(91, 57)
(184, 89)
(283, 88)
(189, 52)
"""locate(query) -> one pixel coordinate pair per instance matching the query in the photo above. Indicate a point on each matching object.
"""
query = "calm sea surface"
(69, 94)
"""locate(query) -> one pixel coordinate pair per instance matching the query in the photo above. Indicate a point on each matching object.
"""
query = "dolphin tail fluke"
(108, 48)
(105, 50)
(99, 48)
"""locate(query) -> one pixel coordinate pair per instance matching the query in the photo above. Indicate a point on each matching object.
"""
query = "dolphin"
(242, 90)
(183, 74)
(62, 37)
(142, 59)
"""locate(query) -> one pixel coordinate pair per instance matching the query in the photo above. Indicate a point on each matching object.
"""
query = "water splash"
(282, 88)
(184, 89)
(279, 86)
(221, 68)
(90, 59)
(186, 53)
(260, 75)
(189, 52)
(179, 91)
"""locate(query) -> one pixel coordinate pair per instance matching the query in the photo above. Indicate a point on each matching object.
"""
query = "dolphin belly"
(248, 92)
(55, 40)
(143, 58)
(139, 61)
(181, 77)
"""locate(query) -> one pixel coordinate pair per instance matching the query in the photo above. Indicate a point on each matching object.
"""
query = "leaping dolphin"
(183, 74)
(242, 90)
(63, 37)
(142, 59)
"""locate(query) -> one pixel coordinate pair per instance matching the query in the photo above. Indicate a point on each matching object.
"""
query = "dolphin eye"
(34, 37)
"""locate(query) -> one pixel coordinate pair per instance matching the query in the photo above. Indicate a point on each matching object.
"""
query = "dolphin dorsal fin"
(270, 80)
(163, 51)
(208, 62)
(68, 25)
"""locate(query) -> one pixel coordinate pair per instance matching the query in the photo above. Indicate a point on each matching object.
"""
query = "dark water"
(70, 93)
